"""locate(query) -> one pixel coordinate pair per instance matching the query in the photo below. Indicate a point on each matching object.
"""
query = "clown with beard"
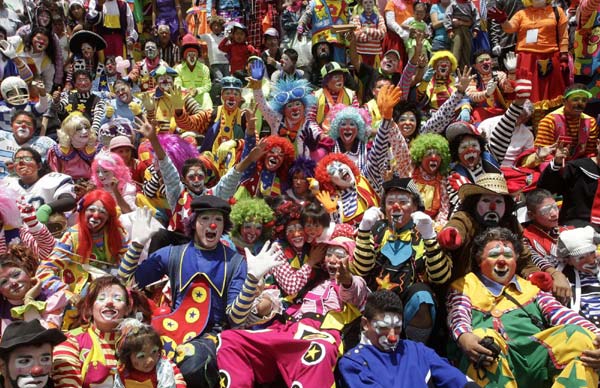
(534, 339)
(193, 74)
(252, 222)
(77, 146)
(346, 194)
(396, 249)
(579, 261)
(484, 204)
(438, 90)
(287, 111)
(140, 75)
(267, 177)
(490, 90)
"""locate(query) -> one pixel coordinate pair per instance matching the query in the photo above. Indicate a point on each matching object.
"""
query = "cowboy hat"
(21, 333)
(492, 184)
(85, 36)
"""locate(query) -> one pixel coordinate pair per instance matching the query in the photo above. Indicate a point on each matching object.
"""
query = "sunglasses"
(294, 94)
(27, 159)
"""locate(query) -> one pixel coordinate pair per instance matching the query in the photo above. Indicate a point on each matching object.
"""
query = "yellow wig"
(444, 54)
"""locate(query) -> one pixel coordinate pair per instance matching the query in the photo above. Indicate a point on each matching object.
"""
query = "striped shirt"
(39, 240)
(546, 132)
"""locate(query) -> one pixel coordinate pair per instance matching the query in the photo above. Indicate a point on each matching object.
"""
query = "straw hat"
(493, 184)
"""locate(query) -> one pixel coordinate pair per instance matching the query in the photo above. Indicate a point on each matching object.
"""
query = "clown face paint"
(87, 51)
(294, 111)
(490, 209)
(231, 98)
(483, 64)
(14, 283)
(442, 68)
(26, 167)
(407, 122)
(398, 208)
(23, 128)
(191, 57)
(348, 131)
(431, 162)
(274, 159)
(109, 308)
(81, 136)
(96, 216)
(575, 105)
(498, 261)
(39, 43)
(587, 263)
(146, 359)
(110, 66)
(341, 175)
(384, 330)
(389, 63)
(30, 366)
(107, 178)
(151, 50)
(333, 259)
(368, 6)
(165, 83)
(194, 179)
(469, 152)
(294, 234)
(209, 228)
(336, 82)
(251, 231)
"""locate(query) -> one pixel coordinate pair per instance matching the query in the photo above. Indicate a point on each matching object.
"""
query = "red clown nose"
(213, 226)
(395, 207)
(392, 338)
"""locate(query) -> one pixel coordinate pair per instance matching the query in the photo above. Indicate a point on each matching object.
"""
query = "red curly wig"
(288, 150)
(322, 175)
(112, 227)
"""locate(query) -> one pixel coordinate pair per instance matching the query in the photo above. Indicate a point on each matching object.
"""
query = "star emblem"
(385, 283)
(69, 108)
(184, 213)
(103, 83)
(314, 355)
(81, 107)
(572, 380)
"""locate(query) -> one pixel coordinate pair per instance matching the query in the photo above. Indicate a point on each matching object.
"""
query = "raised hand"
(269, 257)
(370, 217)
(143, 126)
(510, 62)
(497, 15)
(490, 88)
(142, 226)
(148, 102)
(463, 79)
(387, 98)
(7, 49)
(423, 224)
(176, 98)
(257, 69)
(329, 203)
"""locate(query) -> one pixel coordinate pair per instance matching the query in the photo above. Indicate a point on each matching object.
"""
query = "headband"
(578, 91)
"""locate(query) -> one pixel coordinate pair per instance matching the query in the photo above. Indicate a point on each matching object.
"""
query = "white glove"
(424, 225)
(497, 50)
(7, 49)
(510, 62)
(142, 226)
(269, 257)
(490, 88)
(370, 217)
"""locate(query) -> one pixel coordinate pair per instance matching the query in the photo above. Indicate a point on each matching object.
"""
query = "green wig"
(424, 142)
(252, 209)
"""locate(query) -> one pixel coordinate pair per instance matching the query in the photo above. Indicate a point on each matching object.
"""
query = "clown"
(287, 111)
(268, 176)
(15, 95)
(194, 75)
(333, 92)
(252, 222)
(302, 173)
(430, 156)
(140, 74)
(349, 130)
(103, 83)
(586, 50)
(526, 324)
(85, 46)
(77, 146)
(339, 177)
(110, 174)
(438, 90)
(489, 91)
(124, 105)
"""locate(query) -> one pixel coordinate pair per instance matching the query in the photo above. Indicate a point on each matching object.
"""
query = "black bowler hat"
(21, 333)
(210, 202)
(404, 184)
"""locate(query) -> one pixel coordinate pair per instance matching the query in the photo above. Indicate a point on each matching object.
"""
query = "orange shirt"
(544, 21)
(401, 14)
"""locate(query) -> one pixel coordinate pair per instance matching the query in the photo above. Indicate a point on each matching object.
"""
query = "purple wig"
(303, 165)
(178, 149)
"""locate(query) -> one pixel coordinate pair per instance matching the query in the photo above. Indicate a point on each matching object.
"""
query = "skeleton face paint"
(431, 162)
(151, 50)
(490, 209)
(469, 152)
(341, 175)
(498, 261)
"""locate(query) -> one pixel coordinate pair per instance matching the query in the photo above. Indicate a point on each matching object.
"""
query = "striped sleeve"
(98, 114)
(179, 380)
(590, 147)
(545, 132)
(400, 152)
(291, 280)
(459, 313)
(39, 239)
(364, 254)
(406, 79)
(438, 263)
(443, 116)
(129, 262)
(376, 159)
(240, 308)
(48, 271)
(502, 134)
(557, 314)
(172, 181)
(151, 186)
(196, 122)
(272, 117)
(66, 364)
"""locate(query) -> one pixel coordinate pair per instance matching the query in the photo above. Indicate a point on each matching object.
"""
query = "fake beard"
(489, 219)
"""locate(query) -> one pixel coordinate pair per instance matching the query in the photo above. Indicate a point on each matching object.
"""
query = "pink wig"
(113, 163)
(178, 149)
(9, 211)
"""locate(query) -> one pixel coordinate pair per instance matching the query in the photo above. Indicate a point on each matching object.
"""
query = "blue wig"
(304, 165)
(281, 94)
(360, 116)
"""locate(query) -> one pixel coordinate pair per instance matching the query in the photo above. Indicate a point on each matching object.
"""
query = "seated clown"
(252, 221)
(509, 332)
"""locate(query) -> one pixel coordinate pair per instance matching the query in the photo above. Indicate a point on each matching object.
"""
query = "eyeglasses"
(26, 159)
(294, 94)
(338, 252)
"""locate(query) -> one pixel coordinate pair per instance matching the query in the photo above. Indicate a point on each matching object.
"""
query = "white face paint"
(32, 381)
(81, 136)
(388, 330)
(107, 177)
(341, 175)
(469, 152)
(348, 131)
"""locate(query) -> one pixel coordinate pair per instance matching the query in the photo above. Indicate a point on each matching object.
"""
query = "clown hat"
(332, 67)
(189, 42)
(85, 36)
(492, 184)
(162, 70)
(461, 128)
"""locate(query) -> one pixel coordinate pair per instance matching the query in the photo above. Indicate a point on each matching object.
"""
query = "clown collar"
(494, 287)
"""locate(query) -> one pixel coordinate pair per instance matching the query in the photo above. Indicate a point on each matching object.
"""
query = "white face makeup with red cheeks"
(469, 152)
(251, 231)
(209, 228)
(274, 159)
(14, 283)
(96, 216)
(348, 131)
(109, 308)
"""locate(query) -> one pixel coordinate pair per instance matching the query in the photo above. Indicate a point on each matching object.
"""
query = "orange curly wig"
(286, 147)
(322, 176)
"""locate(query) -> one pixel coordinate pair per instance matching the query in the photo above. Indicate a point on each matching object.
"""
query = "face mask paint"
(499, 263)
(490, 209)
(388, 329)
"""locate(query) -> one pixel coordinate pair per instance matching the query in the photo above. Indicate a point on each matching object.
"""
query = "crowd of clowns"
(295, 193)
